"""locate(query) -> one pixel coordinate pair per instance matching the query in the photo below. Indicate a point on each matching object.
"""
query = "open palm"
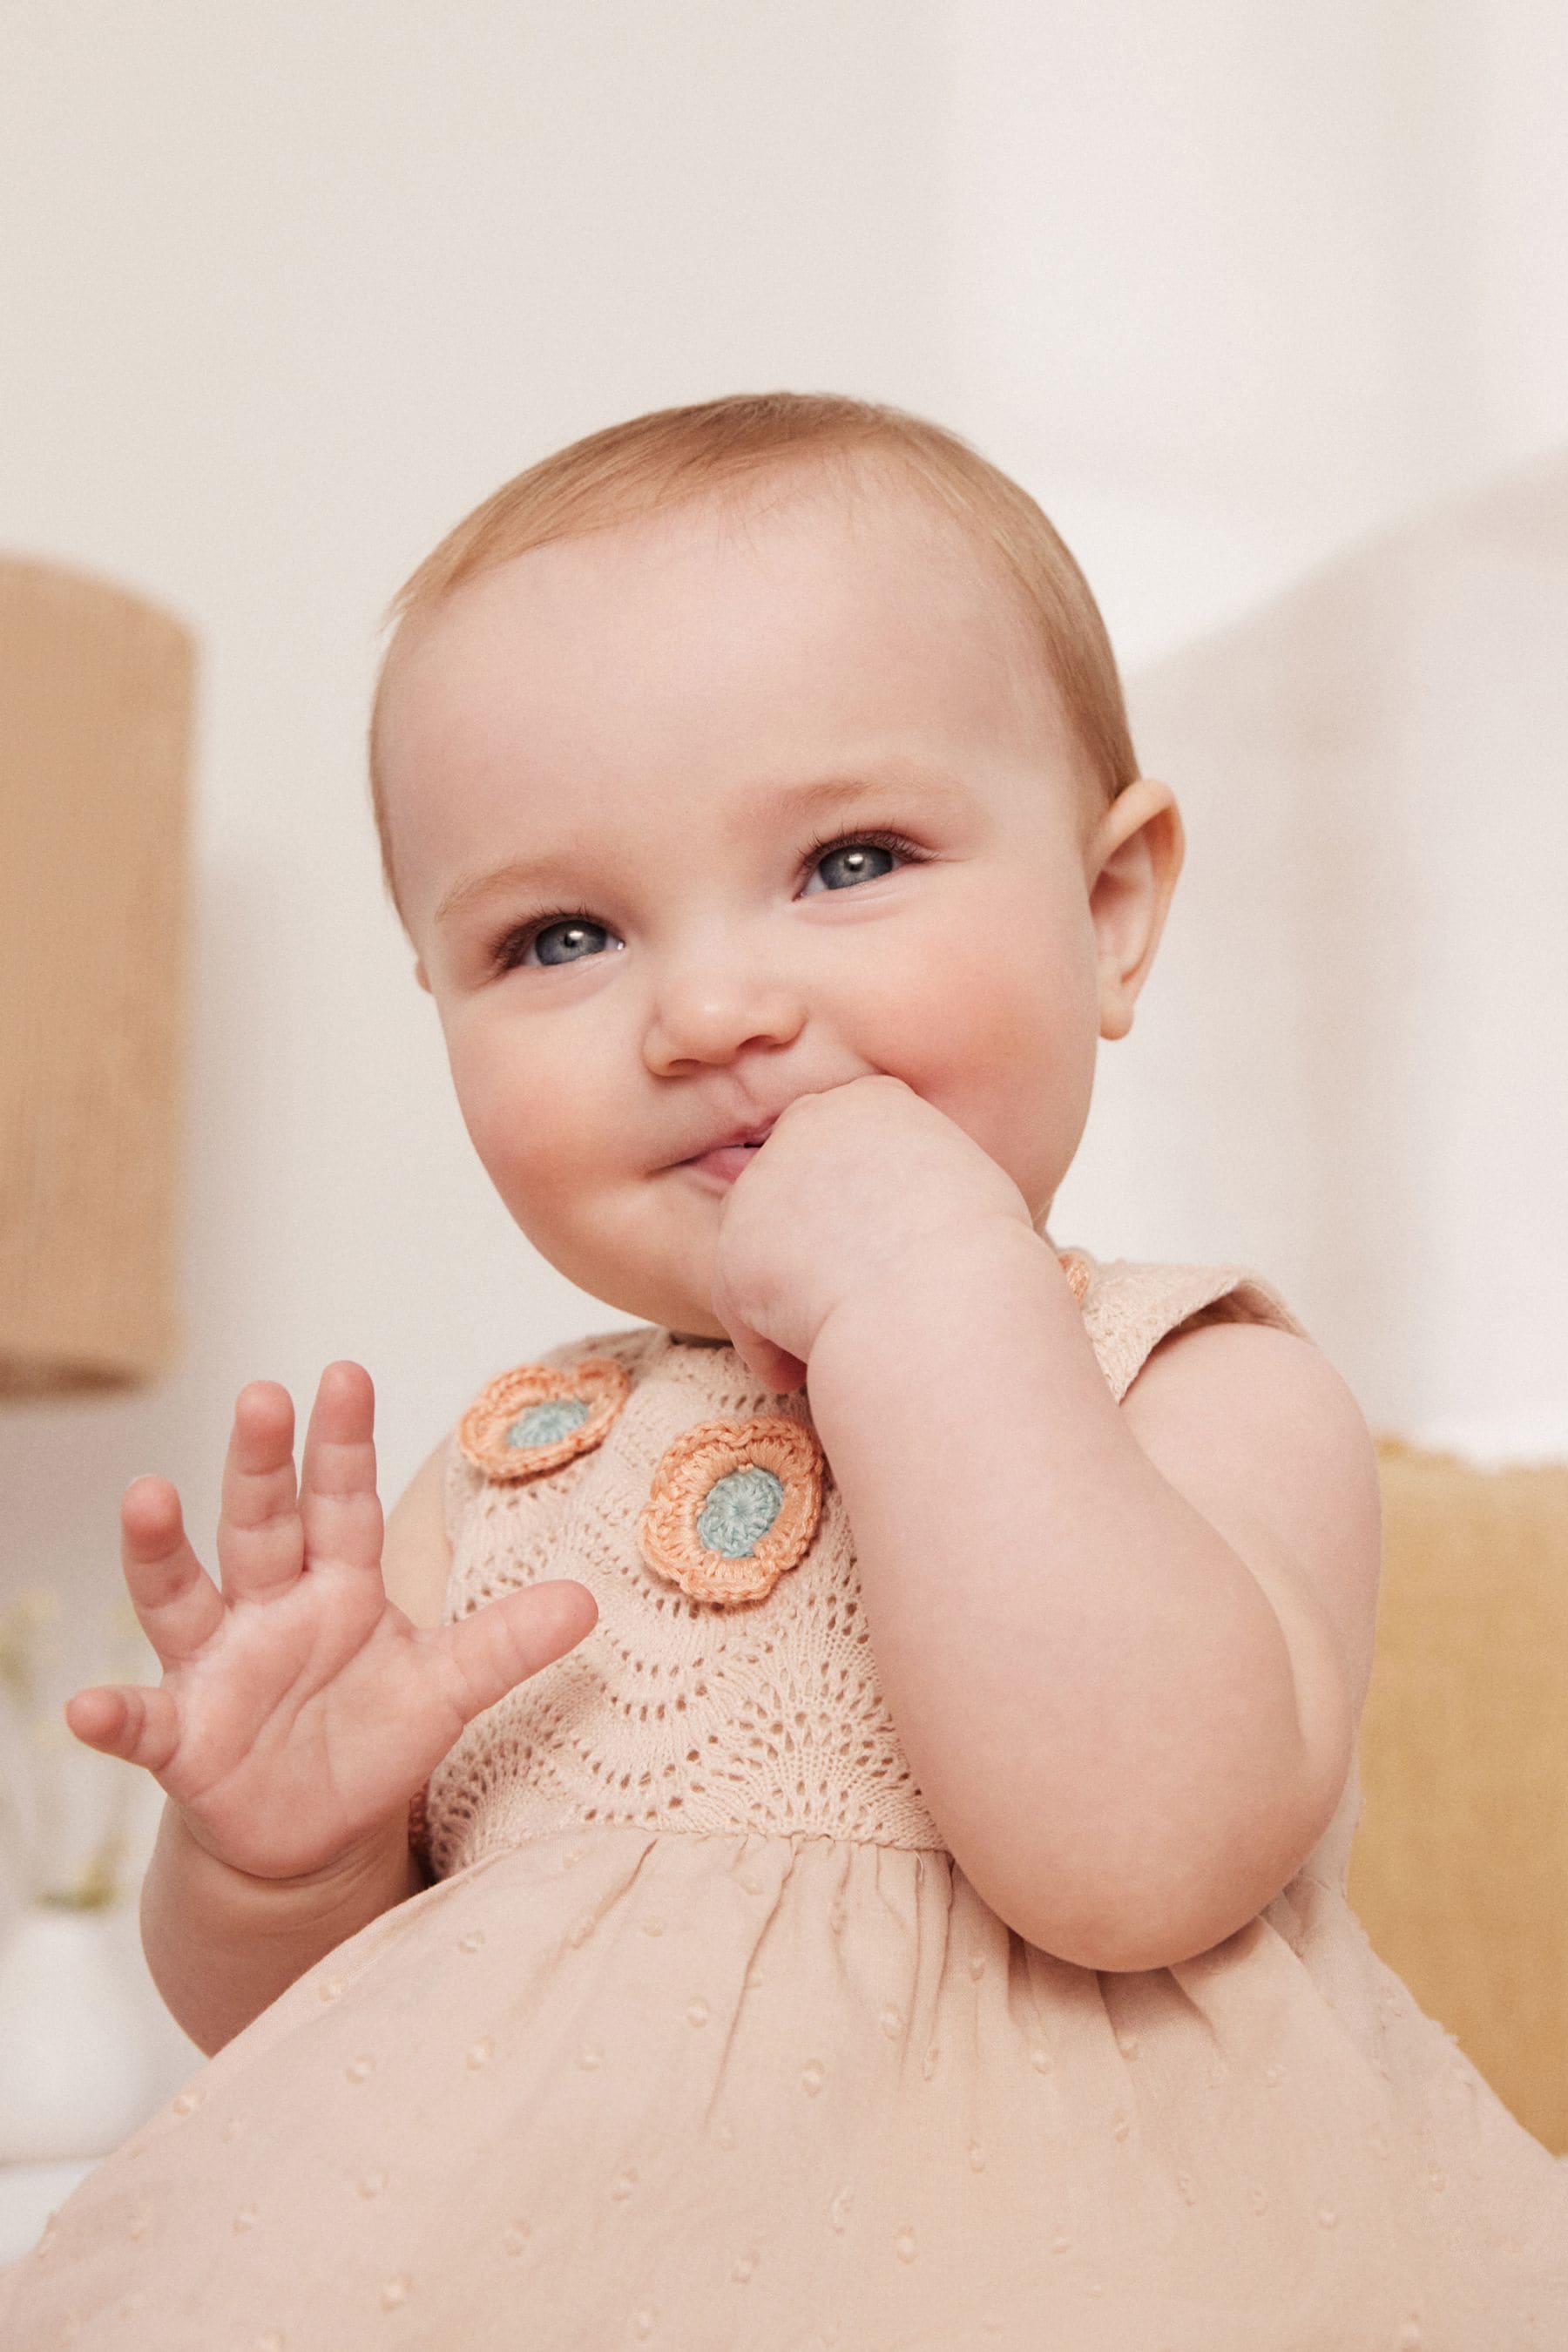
(299, 1708)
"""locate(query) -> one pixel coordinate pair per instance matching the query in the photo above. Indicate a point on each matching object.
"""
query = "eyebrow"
(823, 794)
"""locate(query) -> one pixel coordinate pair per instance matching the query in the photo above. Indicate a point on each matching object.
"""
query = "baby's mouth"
(726, 1161)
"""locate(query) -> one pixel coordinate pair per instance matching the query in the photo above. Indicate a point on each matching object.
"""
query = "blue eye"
(576, 939)
(559, 939)
(855, 855)
(855, 864)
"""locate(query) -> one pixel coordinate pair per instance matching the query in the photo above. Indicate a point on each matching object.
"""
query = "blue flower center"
(543, 1424)
(739, 1512)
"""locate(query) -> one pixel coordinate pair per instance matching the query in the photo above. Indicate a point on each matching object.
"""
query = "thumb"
(509, 1640)
(138, 1725)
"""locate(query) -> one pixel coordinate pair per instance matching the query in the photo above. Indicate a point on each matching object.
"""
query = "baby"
(880, 1732)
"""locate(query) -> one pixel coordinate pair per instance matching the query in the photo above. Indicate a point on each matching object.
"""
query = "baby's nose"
(712, 1011)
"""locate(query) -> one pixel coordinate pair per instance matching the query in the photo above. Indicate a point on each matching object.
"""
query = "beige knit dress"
(701, 2041)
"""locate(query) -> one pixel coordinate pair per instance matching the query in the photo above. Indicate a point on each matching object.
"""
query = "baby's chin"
(631, 1254)
(672, 1306)
(687, 1317)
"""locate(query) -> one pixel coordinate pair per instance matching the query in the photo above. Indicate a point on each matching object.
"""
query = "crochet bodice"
(674, 1713)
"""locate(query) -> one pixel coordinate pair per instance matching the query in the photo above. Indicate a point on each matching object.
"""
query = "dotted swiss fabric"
(701, 2040)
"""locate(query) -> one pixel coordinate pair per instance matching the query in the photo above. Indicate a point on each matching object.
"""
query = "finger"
(774, 1366)
(177, 1605)
(260, 1547)
(119, 1719)
(338, 1502)
(503, 1644)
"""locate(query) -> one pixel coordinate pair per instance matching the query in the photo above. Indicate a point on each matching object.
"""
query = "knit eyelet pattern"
(733, 1505)
(536, 1418)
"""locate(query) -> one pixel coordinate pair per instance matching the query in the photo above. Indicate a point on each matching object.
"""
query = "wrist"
(222, 1945)
(935, 1280)
(367, 1865)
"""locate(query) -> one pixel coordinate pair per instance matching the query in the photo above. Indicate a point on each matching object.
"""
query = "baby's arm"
(1125, 1648)
(301, 1706)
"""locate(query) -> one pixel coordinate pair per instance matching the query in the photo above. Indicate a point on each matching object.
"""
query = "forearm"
(222, 1946)
(1095, 1696)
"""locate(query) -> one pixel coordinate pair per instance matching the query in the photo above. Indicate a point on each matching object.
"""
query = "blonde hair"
(675, 455)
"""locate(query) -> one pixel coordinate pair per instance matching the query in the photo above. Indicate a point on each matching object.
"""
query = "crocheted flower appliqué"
(534, 1419)
(733, 1505)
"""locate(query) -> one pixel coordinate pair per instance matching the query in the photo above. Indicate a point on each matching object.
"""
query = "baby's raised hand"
(299, 1708)
(863, 1183)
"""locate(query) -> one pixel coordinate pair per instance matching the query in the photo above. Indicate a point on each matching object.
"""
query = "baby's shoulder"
(1243, 1414)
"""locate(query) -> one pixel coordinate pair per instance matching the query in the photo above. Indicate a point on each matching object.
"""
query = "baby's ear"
(1139, 850)
(421, 975)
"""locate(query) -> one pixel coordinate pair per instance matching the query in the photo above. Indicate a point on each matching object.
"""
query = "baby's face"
(700, 814)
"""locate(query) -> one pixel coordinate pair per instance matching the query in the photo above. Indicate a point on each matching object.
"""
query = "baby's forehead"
(861, 524)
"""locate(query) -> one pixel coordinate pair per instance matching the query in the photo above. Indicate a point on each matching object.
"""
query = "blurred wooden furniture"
(96, 690)
(1460, 1869)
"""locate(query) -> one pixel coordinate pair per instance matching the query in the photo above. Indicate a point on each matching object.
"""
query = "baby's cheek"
(1015, 1065)
(528, 1156)
(515, 1145)
(1018, 1020)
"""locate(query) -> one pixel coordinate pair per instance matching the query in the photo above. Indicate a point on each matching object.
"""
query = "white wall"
(1237, 280)
(285, 292)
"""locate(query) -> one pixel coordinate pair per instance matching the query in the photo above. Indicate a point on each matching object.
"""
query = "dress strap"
(1130, 1306)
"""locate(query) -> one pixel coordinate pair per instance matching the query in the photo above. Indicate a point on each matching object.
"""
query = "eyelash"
(514, 944)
